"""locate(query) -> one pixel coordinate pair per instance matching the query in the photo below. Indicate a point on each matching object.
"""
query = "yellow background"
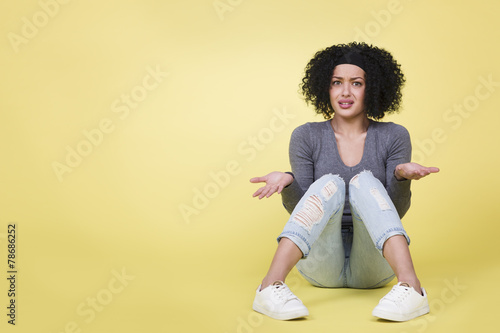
(230, 70)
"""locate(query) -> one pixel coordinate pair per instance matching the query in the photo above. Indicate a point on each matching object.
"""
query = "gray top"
(313, 153)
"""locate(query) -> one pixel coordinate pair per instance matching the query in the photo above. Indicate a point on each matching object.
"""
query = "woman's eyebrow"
(352, 78)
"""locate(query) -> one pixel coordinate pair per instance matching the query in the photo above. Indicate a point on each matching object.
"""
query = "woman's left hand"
(275, 183)
(413, 171)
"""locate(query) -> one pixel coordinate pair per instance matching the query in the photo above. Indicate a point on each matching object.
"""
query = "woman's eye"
(357, 84)
(336, 83)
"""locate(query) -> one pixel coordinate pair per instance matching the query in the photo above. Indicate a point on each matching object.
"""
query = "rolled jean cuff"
(298, 240)
(388, 234)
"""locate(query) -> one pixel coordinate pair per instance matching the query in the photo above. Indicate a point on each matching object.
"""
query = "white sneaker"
(402, 303)
(278, 302)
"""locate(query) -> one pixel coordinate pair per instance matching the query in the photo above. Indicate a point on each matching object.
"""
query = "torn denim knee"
(310, 214)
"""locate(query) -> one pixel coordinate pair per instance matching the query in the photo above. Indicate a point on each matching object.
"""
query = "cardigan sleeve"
(399, 151)
(301, 161)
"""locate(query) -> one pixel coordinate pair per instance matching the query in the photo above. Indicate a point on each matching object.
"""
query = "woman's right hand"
(275, 183)
(413, 171)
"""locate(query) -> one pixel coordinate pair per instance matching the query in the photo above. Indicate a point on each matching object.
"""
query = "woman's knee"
(364, 186)
(363, 178)
(330, 185)
(325, 197)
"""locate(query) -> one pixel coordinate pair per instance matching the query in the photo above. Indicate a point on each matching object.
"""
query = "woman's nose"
(346, 90)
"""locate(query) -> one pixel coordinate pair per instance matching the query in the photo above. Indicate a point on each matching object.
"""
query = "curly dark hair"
(383, 76)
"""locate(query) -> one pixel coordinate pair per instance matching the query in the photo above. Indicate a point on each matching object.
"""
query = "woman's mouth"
(346, 103)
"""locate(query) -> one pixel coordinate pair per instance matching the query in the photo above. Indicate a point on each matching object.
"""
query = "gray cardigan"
(313, 153)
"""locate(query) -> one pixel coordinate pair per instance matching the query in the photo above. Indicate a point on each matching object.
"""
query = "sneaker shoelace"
(283, 292)
(398, 294)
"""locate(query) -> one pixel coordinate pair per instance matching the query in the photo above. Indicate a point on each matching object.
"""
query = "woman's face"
(347, 91)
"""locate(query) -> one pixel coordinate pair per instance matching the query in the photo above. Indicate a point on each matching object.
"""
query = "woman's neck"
(350, 127)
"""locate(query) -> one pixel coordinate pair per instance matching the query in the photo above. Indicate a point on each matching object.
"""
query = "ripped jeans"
(335, 257)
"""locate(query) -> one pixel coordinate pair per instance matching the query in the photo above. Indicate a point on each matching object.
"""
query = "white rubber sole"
(400, 317)
(281, 316)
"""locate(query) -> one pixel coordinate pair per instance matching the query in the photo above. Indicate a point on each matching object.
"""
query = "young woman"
(348, 189)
